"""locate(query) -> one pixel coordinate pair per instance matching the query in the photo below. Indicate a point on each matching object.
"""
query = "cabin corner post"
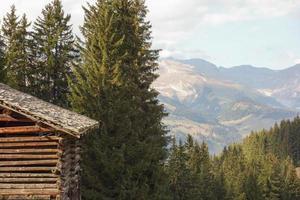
(77, 170)
(70, 174)
(59, 168)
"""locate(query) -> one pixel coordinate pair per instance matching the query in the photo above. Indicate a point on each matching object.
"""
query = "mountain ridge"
(218, 106)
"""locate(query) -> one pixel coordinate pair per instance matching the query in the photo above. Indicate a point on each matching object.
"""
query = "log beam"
(18, 151)
(27, 186)
(28, 175)
(24, 129)
(30, 139)
(7, 118)
(28, 144)
(27, 156)
(27, 169)
(29, 192)
(28, 180)
(28, 163)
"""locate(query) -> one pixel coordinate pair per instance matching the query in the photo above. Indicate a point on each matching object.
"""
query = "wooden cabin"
(39, 148)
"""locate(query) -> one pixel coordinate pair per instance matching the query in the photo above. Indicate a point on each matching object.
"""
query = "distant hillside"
(264, 165)
(220, 105)
(282, 140)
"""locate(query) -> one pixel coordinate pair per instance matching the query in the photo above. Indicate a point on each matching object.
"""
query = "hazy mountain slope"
(213, 108)
(282, 85)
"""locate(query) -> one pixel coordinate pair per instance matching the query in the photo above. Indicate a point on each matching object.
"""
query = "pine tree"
(2, 61)
(291, 183)
(112, 84)
(219, 189)
(273, 183)
(180, 177)
(23, 63)
(16, 50)
(199, 164)
(54, 54)
(252, 187)
(233, 166)
(13, 34)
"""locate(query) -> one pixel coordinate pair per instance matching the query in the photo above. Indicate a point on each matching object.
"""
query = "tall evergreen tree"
(23, 61)
(273, 186)
(2, 61)
(219, 189)
(252, 186)
(233, 166)
(112, 84)
(199, 164)
(180, 176)
(54, 53)
(291, 183)
(15, 36)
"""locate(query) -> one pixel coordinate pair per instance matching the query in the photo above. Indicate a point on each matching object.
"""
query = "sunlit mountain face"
(222, 105)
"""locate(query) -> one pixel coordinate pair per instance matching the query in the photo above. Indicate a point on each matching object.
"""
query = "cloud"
(179, 26)
(176, 20)
(297, 61)
(294, 57)
(184, 54)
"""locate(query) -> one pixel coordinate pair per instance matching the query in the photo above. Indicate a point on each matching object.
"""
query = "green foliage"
(16, 49)
(53, 53)
(111, 83)
(261, 167)
(233, 166)
(282, 140)
(200, 166)
(2, 60)
(252, 186)
(190, 173)
(180, 176)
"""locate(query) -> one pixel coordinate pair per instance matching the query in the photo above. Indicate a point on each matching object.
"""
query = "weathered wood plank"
(27, 186)
(27, 156)
(29, 139)
(28, 180)
(27, 169)
(8, 118)
(29, 162)
(23, 129)
(28, 144)
(17, 151)
(28, 175)
(51, 192)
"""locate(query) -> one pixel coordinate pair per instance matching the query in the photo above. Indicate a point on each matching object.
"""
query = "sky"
(262, 33)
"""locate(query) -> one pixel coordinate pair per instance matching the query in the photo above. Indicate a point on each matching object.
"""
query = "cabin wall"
(28, 165)
(30, 159)
(37, 162)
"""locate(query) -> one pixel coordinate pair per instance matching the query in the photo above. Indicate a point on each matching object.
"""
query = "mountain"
(222, 105)
(283, 85)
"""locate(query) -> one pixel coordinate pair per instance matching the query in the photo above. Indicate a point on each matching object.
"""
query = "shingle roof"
(44, 112)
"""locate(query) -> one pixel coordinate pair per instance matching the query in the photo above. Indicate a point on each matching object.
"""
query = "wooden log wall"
(30, 159)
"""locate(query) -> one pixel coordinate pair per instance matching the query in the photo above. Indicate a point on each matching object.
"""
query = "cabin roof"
(38, 110)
